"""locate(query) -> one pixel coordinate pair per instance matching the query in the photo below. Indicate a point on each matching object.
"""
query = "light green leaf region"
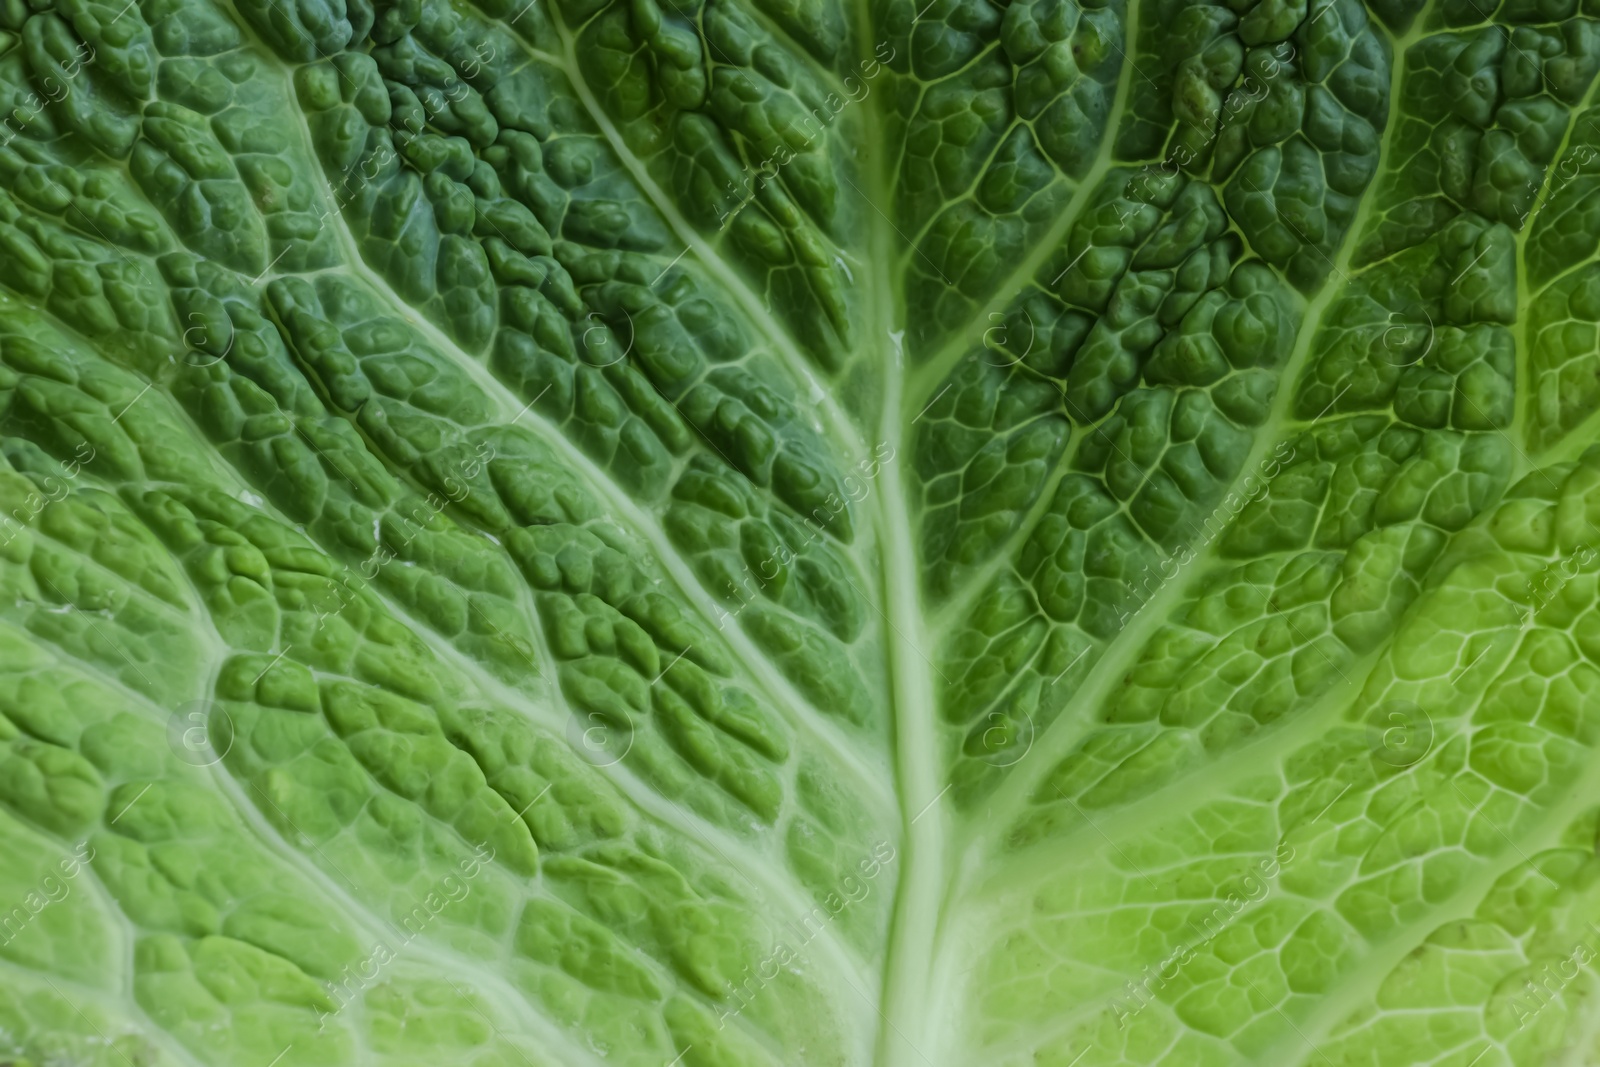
(827, 533)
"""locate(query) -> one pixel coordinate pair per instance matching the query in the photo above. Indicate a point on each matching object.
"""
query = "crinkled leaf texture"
(912, 533)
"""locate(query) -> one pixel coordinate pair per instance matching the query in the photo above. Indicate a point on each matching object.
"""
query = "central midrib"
(912, 950)
(916, 742)
(919, 894)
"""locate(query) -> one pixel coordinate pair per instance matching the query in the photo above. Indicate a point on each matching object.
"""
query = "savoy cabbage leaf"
(738, 533)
